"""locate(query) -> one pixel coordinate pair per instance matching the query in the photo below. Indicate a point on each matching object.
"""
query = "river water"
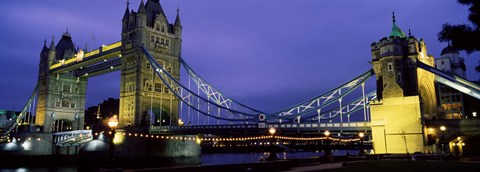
(209, 159)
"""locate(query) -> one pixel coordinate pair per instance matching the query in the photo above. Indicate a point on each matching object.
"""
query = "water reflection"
(205, 159)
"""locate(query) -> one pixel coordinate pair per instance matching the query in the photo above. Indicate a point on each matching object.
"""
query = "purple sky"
(268, 54)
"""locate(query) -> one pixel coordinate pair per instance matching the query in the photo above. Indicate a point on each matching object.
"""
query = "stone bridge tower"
(61, 97)
(144, 99)
(406, 94)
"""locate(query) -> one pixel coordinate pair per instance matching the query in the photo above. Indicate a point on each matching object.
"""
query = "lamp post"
(327, 134)
(273, 155)
(112, 123)
(328, 154)
(361, 135)
(443, 128)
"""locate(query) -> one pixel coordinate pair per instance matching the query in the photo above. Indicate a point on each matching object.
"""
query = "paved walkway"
(317, 167)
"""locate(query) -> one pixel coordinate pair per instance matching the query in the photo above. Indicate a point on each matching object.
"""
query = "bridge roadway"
(262, 128)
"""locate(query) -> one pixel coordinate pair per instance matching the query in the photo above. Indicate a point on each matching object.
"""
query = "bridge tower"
(144, 99)
(406, 95)
(61, 97)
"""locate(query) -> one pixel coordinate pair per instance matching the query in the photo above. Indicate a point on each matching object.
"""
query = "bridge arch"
(61, 125)
(155, 116)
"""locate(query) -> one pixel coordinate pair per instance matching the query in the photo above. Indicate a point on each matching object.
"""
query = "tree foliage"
(464, 37)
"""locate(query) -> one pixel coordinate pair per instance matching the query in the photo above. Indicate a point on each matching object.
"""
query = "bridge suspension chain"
(216, 96)
(323, 100)
(350, 108)
(202, 105)
(27, 109)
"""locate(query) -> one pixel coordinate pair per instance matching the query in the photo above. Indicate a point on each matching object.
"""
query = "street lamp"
(112, 123)
(327, 133)
(443, 128)
(273, 154)
(361, 135)
(272, 131)
(328, 155)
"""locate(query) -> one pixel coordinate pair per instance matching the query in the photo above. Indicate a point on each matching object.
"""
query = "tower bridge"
(398, 115)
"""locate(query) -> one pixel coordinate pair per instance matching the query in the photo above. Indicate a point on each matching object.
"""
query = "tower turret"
(405, 94)
(178, 25)
(141, 15)
(51, 52)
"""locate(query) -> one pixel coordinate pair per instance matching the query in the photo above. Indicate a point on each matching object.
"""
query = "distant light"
(474, 114)
(327, 133)
(111, 67)
(443, 128)
(272, 130)
(431, 129)
(361, 134)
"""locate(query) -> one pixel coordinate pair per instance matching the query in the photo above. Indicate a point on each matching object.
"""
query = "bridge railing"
(72, 138)
(287, 126)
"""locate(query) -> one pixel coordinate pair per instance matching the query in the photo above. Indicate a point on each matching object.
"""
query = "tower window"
(163, 29)
(390, 66)
(442, 62)
(152, 39)
(399, 77)
(148, 65)
(158, 87)
(66, 88)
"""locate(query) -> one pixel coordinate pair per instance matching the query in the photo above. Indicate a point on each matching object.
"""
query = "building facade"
(144, 99)
(451, 101)
(61, 97)
(406, 95)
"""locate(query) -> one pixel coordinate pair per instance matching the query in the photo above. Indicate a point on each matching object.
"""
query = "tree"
(464, 37)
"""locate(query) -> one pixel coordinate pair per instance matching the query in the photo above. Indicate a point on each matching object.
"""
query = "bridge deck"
(303, 128)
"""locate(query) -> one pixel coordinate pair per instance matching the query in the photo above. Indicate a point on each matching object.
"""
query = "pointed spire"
(52, 44)
(177, 19)
(44, 49)
(396, 31)
(127, 11)
(141, 8)
(66, 33)
(393, 16)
